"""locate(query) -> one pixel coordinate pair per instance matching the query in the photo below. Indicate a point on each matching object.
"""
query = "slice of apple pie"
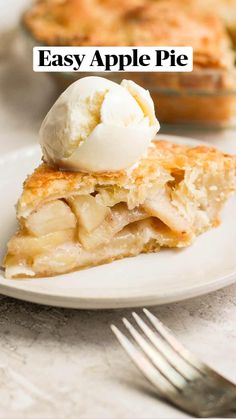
(73, 220)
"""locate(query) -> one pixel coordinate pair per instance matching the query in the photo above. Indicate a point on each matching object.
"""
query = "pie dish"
(72, 220)
(206, 96)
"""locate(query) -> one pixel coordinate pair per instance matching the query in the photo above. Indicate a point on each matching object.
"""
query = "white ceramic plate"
(165, 277)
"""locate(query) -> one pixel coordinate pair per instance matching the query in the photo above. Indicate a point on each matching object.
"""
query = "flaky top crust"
(132, 23)
(164, 160)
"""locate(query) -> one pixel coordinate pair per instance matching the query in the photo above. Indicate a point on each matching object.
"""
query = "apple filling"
(78, 231)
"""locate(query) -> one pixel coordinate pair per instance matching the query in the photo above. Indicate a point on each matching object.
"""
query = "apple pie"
(73, 220)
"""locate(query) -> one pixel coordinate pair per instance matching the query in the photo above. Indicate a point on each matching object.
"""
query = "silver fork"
(177, 375)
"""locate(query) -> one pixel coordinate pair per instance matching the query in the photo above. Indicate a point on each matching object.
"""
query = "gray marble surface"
(57, 363)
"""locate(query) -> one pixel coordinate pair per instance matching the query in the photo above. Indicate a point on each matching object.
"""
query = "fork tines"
(176, 373)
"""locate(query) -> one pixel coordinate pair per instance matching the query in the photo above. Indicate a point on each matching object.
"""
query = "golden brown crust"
(163, 159)
(136, 22)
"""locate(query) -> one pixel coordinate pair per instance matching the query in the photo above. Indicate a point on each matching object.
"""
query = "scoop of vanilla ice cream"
(97, 125)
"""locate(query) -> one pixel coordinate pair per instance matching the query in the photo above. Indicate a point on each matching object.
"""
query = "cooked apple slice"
(26, 245)
(160, 206)
(120, 217)
(101, 235)
(51, 217)
(58, 260)
(89, 212)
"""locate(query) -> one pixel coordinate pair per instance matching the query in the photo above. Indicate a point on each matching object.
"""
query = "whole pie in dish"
(72, 220)
(134, 23)
(206, 95)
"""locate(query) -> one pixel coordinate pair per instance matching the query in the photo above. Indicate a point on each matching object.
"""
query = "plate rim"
(102, 303)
